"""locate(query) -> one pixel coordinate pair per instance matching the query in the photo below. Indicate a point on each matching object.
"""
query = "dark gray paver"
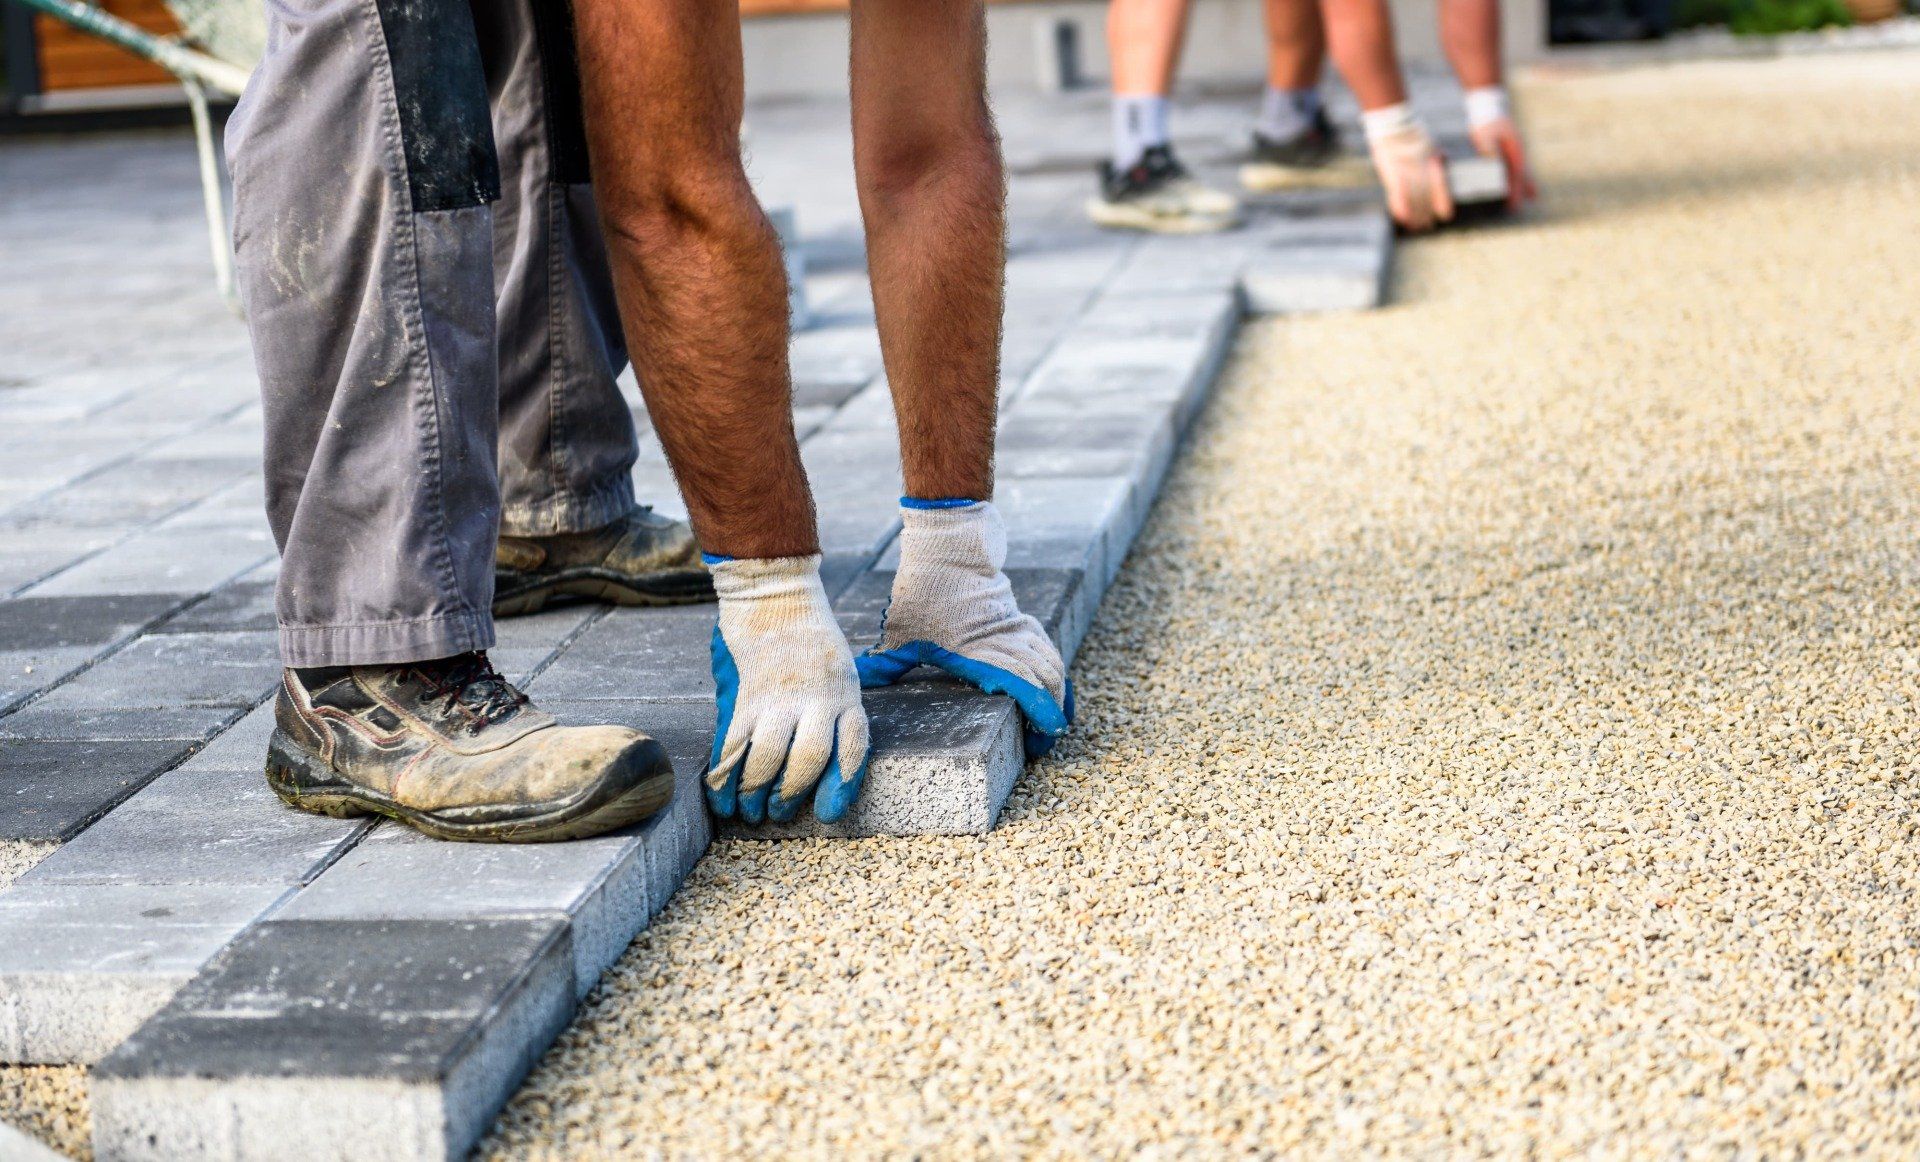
(382, 1039)
(28, 623)
(50, 789)
(245, 604)
(82, 965)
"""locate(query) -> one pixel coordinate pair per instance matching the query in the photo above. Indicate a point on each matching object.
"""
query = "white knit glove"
(1412, 171)
(789, 698)
(953, 608)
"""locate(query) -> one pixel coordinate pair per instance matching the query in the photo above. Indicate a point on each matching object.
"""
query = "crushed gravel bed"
(1501, 740)
(47, 1101)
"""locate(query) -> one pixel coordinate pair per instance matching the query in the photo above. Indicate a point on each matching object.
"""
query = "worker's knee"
(897, 160)
(707, 196)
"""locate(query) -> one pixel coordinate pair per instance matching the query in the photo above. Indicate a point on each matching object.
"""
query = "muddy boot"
(450, 747)
(641, 559)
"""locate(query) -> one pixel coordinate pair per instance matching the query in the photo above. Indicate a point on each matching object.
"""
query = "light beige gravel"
(47, 1102)
(1501, 741)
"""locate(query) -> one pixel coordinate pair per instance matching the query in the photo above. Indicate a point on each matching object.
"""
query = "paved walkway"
(135, 641)
(1500, 741)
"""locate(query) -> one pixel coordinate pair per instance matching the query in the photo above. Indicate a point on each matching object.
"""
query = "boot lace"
(469, 683)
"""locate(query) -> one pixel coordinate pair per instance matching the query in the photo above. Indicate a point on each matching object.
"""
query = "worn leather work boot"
(450, 747)
(641, 559)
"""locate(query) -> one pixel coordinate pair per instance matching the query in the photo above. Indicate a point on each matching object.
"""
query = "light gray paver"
(168, 833)
(182, 669)
(1336, 263)
(606, 888)
(1475, 180)
(81, 966)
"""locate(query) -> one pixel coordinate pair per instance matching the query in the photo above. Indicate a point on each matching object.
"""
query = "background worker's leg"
(1143, 42)
(1294, 143)
(363, 167)
(1296, 45)
(1143, 186)
(566, 437)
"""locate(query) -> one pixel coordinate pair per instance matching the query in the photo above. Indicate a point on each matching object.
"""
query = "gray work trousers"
(431, 310)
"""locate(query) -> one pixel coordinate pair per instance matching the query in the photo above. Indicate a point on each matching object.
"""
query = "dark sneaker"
(641, 559)
(450, 747)
(1158, 194)
(1312, 157)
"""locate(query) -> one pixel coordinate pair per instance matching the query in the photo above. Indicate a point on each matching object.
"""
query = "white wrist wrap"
(1487, 105)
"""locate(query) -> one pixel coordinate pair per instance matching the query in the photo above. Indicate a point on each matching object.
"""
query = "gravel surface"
(1502, 739)
(47, 1101)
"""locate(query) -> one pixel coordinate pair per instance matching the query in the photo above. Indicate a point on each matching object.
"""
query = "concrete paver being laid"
(1501, 739)
(135, 633)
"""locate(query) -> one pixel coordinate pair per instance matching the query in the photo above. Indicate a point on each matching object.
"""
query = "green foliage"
(1696, 13)
(1765, 17)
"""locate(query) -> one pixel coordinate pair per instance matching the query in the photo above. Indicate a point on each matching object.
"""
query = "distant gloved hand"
(1412, 170)
(953, 608)
(1490, 126)
(789, 698)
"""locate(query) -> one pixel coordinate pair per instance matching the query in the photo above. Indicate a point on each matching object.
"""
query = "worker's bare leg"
(703, 297)
(932, 193)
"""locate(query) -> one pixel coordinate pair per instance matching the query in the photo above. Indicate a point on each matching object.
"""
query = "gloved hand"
(790, 714)
(953, 608)
(1412, 171)
(1490, 126)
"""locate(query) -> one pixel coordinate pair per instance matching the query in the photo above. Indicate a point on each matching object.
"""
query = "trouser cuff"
(568, 512)
(386, 642)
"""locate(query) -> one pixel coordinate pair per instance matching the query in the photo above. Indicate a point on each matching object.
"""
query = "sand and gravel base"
(1502, 740)
(47, 1101)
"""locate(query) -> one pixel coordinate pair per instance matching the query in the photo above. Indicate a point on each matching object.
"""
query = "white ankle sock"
(1139, 124)
(1286, 113)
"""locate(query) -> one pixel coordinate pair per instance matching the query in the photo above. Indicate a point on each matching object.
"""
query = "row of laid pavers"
(525, 931)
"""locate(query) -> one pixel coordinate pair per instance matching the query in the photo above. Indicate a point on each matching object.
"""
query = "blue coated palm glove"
(953, 608)
(790, 720)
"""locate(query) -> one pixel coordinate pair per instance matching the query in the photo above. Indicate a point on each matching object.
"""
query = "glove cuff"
(1392, 124)
(751, 579)
(1487, 105)
(968, 536)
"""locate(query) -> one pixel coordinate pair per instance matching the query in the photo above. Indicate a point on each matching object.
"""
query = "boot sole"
(1343, 173)
(689, 588)
(1112, 217)
(304, 782)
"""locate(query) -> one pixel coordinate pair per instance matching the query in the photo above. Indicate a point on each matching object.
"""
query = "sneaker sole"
(1344, 173)
(1113, 217)
(304, 782)
(687, 588)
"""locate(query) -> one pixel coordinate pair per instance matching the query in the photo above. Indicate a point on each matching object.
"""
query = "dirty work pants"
(421, 265)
